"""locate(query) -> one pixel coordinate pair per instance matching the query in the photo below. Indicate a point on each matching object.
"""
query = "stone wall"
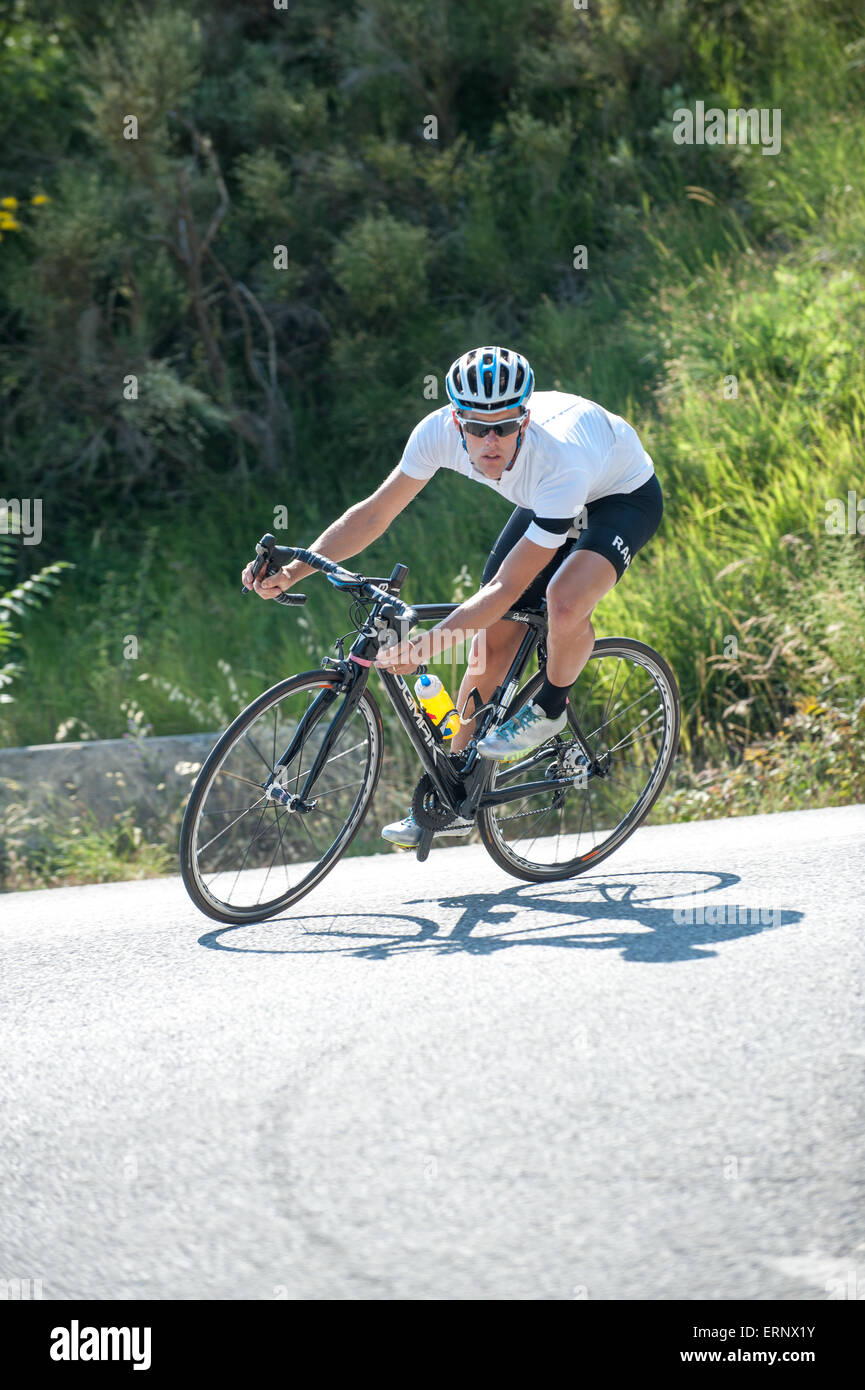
(154, 775)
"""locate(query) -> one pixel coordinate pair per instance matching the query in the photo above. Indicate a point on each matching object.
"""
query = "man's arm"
(363, 523)
(520, 566)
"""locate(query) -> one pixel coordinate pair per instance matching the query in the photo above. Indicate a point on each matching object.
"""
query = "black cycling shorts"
(616, 527)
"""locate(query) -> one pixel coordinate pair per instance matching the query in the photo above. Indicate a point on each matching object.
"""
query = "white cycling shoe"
(528, 728)
(406, 833)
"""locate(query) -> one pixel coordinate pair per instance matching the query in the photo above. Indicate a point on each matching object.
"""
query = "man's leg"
(580, 582)
(498, 645)
(490, 656)
(486, 672)
(572, 594)
(618, 527)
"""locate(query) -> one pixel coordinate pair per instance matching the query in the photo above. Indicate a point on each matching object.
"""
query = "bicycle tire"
(237, 730)
(606, 646)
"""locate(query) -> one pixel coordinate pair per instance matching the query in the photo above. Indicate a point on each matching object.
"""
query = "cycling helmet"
(489, 378)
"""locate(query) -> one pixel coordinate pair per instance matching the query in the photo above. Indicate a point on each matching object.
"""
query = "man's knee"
(567, 607)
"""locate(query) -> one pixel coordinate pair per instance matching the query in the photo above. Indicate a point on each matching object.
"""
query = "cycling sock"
(552, 698)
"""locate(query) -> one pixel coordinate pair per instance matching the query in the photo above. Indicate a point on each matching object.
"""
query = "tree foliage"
(322, 205)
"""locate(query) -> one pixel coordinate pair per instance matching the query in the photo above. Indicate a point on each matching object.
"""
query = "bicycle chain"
(521, 815)
(430, 815)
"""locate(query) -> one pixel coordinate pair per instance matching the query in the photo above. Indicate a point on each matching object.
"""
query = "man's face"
(491, 454)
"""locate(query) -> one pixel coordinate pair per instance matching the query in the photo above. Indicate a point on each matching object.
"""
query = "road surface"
(434, 1081)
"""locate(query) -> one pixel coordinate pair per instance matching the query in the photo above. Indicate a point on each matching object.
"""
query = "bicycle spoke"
(249, 847)
(308, 832)
(587, 812)
(248, 781)
(273, 857)
(331, 815)
(344, 754)
(255, 748)
(617, 715)
(628, 742)
(241, 857)
(329, 791)
(226, 828)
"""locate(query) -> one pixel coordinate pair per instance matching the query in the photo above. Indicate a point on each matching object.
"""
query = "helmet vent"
(489, 378)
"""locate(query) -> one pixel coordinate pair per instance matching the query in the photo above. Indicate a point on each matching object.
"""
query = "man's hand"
(266, 587)
(398, 659)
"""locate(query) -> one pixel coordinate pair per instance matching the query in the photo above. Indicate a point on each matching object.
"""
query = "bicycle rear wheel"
(625, 704)
(244, 856)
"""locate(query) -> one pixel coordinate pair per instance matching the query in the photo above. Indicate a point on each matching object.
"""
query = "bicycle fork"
(298, 801)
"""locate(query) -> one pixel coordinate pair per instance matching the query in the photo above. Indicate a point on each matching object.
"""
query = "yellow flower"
(8, 202)
(9, 224)
(40, 198)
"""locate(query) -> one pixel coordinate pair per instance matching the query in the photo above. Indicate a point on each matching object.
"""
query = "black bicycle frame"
(461, 791)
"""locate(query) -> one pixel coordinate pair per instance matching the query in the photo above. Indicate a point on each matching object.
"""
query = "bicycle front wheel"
(623, 711)
(245, 856)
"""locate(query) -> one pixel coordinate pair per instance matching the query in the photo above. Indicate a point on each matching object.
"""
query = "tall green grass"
(746, 481)
(729, 332)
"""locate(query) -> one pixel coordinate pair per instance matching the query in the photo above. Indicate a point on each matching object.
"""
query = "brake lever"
(287, 597)
(256, 571)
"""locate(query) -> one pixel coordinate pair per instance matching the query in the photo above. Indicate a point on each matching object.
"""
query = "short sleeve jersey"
(573, 452)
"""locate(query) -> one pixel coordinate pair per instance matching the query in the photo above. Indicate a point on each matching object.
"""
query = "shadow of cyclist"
(609, 912)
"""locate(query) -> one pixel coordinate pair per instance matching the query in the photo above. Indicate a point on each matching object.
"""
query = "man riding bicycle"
(586, 500)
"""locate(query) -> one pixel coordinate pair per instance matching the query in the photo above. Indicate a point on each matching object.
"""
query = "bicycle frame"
(333, 703)
(461, 791)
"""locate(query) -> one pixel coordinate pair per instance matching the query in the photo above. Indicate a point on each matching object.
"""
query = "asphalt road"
(434, 1081)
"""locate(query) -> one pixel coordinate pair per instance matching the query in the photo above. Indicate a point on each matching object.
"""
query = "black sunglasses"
(480, 428)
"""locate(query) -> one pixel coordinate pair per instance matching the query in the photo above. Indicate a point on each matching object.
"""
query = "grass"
(53, 847)
(729, 336)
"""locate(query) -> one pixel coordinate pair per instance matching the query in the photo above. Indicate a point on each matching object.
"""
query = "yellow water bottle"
(432, 696)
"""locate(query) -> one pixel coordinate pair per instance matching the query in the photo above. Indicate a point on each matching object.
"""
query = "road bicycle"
(286, 788)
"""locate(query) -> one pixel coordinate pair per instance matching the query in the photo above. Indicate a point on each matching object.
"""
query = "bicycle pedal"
(424, 845)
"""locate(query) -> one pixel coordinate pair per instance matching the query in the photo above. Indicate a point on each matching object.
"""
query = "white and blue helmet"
(489, 378)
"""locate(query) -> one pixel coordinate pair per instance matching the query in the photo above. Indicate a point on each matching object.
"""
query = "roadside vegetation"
(171, 394)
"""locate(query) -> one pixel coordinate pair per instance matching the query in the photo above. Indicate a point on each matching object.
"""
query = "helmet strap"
(516, 450)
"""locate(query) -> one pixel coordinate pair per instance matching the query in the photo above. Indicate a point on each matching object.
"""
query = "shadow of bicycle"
(605, 913)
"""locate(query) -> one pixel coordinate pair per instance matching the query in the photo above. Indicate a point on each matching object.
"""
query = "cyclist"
(586, 500)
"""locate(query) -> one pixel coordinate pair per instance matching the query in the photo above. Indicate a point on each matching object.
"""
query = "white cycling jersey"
(574, 451)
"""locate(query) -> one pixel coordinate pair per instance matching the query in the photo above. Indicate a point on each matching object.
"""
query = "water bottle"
(432, 696)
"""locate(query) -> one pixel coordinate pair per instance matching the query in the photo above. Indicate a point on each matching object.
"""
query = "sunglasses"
(480, 428)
